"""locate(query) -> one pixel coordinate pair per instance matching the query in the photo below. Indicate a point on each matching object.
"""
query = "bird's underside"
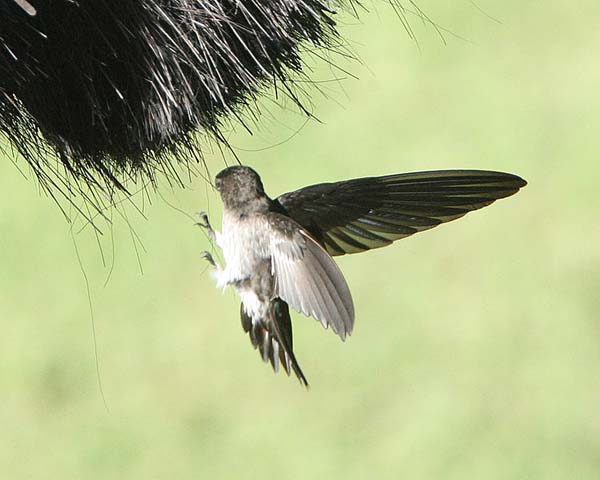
(288, 259)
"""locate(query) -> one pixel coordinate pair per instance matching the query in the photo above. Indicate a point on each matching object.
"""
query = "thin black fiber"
(101, 91)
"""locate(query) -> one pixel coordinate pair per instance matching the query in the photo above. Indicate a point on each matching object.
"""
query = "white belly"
(245, 245)
(253, 307)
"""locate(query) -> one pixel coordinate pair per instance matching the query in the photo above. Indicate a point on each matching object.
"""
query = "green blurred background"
(476, 344)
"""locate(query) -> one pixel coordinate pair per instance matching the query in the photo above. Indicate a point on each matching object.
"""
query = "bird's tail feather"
(272, 335)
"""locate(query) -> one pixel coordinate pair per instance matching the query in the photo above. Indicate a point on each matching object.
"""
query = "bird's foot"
(217, 273)
(209, 258)
(205, 223)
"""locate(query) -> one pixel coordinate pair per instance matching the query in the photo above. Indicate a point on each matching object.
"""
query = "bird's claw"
(205, 223)
(209, 258)
(203, 220)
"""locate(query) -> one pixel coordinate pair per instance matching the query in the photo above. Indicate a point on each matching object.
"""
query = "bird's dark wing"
(307, 278)
(272, 336)
(357, 215)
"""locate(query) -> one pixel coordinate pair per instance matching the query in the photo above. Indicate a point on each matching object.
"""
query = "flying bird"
(278, 252)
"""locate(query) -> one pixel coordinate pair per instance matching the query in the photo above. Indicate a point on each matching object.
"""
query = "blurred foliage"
(476, 343)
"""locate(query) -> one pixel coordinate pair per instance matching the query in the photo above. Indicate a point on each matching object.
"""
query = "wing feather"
(365, 213)
(308, 279)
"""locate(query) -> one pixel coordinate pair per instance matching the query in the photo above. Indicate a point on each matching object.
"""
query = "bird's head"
(240, 188)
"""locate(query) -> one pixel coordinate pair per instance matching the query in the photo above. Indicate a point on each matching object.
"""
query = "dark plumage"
(357, 215)
(278, 251)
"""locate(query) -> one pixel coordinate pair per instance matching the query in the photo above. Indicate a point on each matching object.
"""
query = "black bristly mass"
(103, 91)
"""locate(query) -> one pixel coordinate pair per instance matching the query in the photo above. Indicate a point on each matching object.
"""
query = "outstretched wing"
(307, 277)
(357, 215)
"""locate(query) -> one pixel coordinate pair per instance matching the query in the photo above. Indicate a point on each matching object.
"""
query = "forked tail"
(272, 335)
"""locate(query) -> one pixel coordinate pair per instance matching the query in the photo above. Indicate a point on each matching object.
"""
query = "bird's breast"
(245, 245)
